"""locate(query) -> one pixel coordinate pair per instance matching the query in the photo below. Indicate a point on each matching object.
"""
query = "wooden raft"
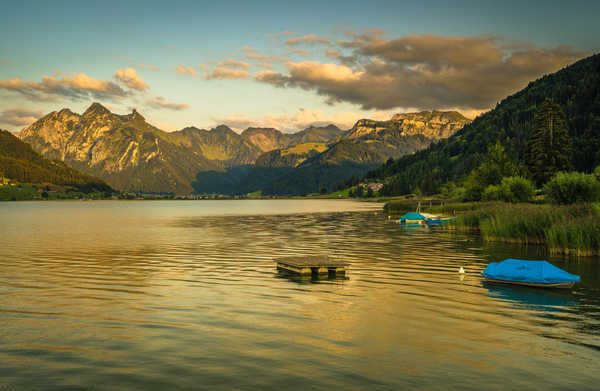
(307, 265)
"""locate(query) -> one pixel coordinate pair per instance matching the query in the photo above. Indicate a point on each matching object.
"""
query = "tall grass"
(573, 229)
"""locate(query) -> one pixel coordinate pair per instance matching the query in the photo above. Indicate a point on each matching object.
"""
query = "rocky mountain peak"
(430, 124)
(65, 113)
(223, 129)
(96, 109)
(135, 116)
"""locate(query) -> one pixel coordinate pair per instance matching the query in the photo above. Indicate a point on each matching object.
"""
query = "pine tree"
(549, 144)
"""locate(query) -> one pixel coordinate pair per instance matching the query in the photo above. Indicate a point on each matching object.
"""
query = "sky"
(280, 64)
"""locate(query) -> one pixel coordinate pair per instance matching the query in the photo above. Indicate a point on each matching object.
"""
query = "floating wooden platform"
(308, 265)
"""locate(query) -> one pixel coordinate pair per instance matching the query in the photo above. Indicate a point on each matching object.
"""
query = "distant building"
(372, 186)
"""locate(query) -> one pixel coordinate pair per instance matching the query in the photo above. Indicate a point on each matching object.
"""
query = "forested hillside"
(575, 88)
(20, 163)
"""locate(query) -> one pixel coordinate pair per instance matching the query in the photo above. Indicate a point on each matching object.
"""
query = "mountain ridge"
(133, 155)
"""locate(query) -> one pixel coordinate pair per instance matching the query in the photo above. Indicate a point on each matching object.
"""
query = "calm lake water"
(184, 295)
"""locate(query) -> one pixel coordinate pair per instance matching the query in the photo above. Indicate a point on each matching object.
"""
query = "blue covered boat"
(529, 273)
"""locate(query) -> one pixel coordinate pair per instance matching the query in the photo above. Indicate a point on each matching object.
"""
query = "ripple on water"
(166, 295)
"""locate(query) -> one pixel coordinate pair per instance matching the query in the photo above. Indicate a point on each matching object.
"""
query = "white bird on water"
(461, 270)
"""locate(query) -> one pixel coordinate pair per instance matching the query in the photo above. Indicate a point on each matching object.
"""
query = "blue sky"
(184, 63)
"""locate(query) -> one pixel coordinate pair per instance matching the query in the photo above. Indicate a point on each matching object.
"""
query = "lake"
(168, 295)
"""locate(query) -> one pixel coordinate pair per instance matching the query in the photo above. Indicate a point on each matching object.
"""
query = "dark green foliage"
(17, 193)
(310, 178)
(549, 144)
(496, 165)
(276, 180)
(237, 180)
(511, 189)
(20, 163)
(576, 89)
(572, 187)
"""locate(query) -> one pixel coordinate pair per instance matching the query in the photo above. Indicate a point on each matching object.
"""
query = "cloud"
(300, 52)
(265, 65)
(130, 78)
(234, 64)
(75, 86)
(248, 48)
(302, 119)
(278, 35)
(159, 102)
(265, 61)
(185, 70)
(423, 71)
(226, 73)
(309, 73)
(309, 39)
(150, 67)
(19, 116)
(258, 57)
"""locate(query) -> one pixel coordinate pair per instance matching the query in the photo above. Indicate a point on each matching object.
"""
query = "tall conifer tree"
(549, 143)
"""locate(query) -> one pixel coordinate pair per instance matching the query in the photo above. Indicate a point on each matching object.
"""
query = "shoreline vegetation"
(15, 191)
(572, 230)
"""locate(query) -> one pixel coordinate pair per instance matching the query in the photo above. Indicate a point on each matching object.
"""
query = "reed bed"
(573, 229)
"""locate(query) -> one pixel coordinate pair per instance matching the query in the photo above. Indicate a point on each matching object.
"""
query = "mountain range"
(132, 155)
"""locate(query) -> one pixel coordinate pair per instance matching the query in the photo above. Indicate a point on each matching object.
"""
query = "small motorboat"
(529, 273)
(435, 220)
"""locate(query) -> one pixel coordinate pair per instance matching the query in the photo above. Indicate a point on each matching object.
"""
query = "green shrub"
(492, 193)
(572, 187)
(517, 189)
(511, 189)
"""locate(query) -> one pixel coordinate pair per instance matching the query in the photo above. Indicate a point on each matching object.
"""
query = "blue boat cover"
(518, 270)
(413, 216)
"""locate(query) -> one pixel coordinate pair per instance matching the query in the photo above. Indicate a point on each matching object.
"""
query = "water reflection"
(185, 295)
(312, 278)
(533, 298)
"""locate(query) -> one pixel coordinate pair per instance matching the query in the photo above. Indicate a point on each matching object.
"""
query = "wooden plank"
(299, 270)
(311, 261)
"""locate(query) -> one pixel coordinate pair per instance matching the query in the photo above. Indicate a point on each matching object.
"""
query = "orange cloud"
(185, 70)
(159, 102)
(226, 73)
(309, 39)
(150, 67)
(75, 86)
(234, 64)
(130, 78)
